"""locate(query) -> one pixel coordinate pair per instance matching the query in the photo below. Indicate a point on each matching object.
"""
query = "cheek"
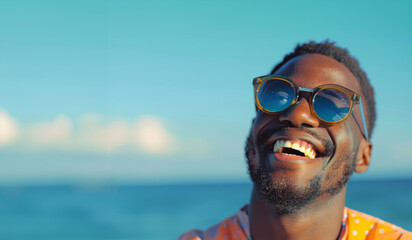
(252, 147)
(345, 137)
(346, 143)
(260, 121)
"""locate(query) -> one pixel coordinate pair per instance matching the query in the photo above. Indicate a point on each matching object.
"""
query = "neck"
(320, 220)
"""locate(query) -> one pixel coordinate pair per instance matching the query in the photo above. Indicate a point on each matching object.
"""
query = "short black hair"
(342, 55)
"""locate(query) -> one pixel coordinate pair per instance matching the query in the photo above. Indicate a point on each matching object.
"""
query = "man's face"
(289, 182)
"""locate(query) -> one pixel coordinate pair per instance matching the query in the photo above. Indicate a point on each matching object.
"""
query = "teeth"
(296, 146)
(306, 149)
(276, 148)
(287, 144)
(312, 155)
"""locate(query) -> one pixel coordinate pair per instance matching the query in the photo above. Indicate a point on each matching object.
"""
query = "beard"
(286, 197)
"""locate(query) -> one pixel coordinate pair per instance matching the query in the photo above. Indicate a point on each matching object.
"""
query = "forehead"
(312, 70)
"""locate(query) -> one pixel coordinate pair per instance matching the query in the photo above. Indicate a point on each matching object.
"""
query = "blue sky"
(161, 90)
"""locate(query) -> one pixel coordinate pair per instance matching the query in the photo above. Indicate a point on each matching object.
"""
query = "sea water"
(160, 211)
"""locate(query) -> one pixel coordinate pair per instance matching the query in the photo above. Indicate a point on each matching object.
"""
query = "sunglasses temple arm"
(363, 119)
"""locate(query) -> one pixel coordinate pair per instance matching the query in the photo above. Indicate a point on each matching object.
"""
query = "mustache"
(326, 142)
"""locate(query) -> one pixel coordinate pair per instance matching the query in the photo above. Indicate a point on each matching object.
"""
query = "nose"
(299, 115)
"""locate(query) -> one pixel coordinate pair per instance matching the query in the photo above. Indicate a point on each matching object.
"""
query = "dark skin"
(321, 218)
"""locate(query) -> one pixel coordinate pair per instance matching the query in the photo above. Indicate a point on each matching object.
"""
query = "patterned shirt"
(355, 225)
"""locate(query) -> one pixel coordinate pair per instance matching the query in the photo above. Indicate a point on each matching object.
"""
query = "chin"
(284, 195)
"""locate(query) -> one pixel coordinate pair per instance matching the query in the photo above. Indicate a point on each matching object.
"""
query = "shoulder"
(369, 227)
(234, 227)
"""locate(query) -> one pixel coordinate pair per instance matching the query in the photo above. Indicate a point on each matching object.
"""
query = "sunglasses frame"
(354, 98)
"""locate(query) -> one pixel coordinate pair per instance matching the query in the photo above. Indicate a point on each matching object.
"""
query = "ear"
(364, 156)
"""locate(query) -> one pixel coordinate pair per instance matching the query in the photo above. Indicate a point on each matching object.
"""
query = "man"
(315, 114)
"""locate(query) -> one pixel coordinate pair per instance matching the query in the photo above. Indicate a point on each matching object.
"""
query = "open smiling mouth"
(294, 148)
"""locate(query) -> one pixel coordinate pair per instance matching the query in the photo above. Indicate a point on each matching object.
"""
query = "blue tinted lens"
(276, 95)
(331, 105)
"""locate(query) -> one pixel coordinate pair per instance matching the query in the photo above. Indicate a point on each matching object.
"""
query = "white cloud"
(113, 136)
(8, 128)
(93, 132)
(55, 132)
(152, 136)
(103, 134)
(98, 133)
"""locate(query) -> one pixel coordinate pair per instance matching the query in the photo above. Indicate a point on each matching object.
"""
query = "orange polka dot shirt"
(355, 225)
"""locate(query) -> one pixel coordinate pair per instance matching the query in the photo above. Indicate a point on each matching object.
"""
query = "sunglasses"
(330, 103)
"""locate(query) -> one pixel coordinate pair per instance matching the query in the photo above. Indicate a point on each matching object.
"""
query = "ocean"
(128, 211)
